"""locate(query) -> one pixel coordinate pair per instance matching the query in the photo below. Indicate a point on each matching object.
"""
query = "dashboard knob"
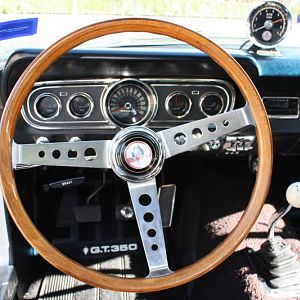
(42, 140)
(293, 194)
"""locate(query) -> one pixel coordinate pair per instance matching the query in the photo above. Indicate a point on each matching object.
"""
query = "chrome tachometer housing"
(269, 24)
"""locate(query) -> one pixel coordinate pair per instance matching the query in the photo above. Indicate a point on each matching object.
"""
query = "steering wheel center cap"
(136, 154)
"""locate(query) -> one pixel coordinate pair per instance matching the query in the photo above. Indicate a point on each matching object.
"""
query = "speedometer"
(130, 102)
(269, 24)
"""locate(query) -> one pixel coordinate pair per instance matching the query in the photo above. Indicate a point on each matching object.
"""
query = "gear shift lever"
(279, 261)
(293, 198)
(293, 194)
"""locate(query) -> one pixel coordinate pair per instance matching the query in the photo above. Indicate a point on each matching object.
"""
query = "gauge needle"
(119, 109)
(262, 27)
(259, 28)
(279, 20)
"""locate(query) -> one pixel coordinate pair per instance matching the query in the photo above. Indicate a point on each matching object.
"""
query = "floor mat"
(235, 278)
(58, 286)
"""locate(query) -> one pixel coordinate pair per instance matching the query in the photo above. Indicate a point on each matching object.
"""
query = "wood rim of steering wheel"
(54, 256)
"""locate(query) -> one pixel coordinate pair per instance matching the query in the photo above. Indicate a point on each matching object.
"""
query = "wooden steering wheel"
(141, 180)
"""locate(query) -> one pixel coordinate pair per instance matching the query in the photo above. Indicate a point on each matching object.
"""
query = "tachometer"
(269, 24)
(130, 102)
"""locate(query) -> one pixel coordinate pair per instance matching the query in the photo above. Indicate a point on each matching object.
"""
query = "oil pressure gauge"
(269, 24)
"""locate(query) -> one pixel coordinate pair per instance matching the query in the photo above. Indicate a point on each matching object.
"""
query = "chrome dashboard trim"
(57, 126)
(230, 87)
(85, 124)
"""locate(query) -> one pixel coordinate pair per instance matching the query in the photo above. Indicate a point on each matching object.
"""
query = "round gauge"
(47, 106)
(269, 24)
(130, 102)
(178, 104)
(211, 103)
(80, 105)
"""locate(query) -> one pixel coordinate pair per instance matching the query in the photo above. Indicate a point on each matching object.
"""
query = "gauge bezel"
(169, 97)
(202, 98)
(272, 5)
(39, 97)
(151, 99)
(85, 95)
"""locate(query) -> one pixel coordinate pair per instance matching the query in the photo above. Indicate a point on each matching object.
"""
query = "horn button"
(136, 154)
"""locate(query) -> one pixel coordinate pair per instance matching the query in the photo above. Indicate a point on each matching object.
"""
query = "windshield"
(224, 21)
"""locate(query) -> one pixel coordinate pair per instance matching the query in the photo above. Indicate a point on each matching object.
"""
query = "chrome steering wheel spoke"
(87, 154)
(147, 211)
(185, 137)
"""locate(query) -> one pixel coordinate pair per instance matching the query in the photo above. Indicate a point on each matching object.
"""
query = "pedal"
(87, 213)
(8, 282)
(166, 197)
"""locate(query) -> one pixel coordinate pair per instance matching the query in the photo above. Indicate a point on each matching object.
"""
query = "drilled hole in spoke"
(154, 247)
(72, 154)
(148, 217)
(151, 232)
(145, 200)
(41, 154)
(197, 133)
(226, 123)
(90, 154)
(212, 127)
(56, 154)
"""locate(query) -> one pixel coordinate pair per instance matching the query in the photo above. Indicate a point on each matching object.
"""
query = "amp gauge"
(269, 24)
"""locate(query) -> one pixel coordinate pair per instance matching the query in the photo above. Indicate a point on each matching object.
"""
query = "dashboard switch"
(238, 144)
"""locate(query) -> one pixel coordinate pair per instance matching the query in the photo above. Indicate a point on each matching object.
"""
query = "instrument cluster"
(100, 104)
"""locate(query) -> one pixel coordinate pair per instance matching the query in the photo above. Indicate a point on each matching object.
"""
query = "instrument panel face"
(97, 104)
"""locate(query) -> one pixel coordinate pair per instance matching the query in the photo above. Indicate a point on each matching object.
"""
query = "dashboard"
(92, 94)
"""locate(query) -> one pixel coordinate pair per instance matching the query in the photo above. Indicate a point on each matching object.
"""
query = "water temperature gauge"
(269, 24)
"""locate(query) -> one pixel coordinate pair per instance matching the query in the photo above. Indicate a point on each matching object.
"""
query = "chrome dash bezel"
(151, 98)
(202, 98)
(57, 100)
(86, 124)
(90, 111)
(169, 97)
